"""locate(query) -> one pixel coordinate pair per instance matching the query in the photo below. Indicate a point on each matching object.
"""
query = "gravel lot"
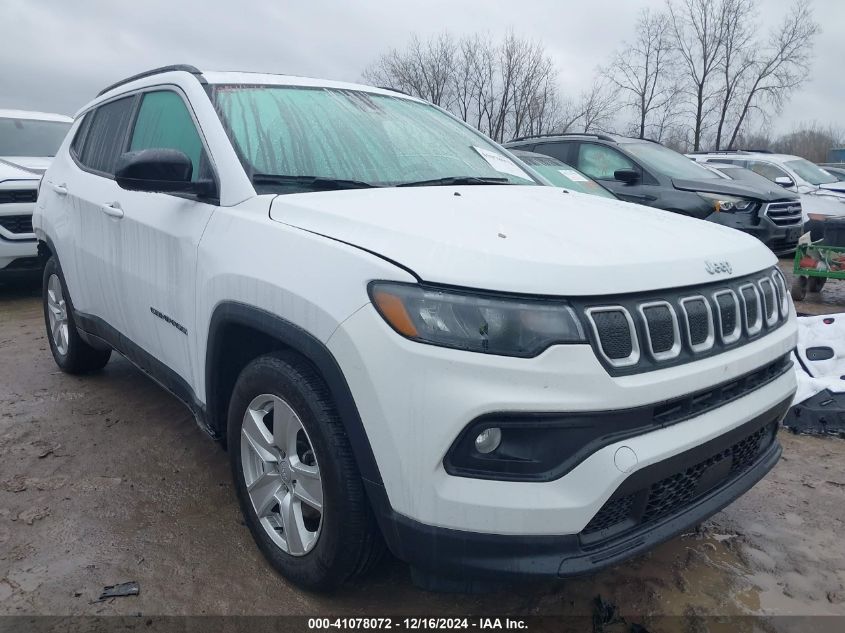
(106, 479)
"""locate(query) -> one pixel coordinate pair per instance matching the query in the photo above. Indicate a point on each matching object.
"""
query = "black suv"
(646, 172)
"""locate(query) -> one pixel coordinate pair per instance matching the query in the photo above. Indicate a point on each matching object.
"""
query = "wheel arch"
(239, 333)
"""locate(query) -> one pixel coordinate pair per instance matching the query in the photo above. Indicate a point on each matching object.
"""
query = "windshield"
(30, 137)
(668, 162)
(813, 174)
(562, 175)
(349, 136)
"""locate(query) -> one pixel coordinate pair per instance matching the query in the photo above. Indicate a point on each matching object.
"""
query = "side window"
(105, 140)
(555, 150)
(79, 138)
(767, 170)
(600, 162)
(164, 123)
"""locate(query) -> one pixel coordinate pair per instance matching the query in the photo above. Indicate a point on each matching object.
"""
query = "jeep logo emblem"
(715, 268)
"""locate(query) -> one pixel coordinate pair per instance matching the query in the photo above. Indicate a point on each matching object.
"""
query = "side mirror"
(785, 181)
(628, 176)
(159, 170)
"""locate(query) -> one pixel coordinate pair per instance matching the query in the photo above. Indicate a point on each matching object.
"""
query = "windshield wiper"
(456, 180)
(310, 182)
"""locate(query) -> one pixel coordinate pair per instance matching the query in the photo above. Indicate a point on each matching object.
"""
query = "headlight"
(729, 204)
(474, 321)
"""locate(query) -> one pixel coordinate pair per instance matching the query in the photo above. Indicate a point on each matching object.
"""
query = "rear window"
(31, 137)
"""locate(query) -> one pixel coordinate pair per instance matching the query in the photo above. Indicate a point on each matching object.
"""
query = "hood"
(10, 171)
(822, 204)
(834, 186)
(524, 239)
(37, 164)
(735, 188)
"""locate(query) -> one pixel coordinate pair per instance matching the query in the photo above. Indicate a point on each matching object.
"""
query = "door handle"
(113, 209)
(59, 189)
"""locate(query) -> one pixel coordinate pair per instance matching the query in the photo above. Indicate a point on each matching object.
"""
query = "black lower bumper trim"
(449, 553)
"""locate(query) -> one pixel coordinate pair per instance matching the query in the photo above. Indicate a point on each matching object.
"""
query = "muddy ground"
(106, 479)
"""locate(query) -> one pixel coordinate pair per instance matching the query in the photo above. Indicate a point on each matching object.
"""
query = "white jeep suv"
(403, 339)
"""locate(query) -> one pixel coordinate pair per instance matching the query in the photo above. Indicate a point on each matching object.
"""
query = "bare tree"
(781, 66)
(643, 70)
(503, 89)
(738, 57)
(422, 69)
(698, 30)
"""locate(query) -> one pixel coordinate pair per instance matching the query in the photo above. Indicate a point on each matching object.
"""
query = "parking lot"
(106, 479)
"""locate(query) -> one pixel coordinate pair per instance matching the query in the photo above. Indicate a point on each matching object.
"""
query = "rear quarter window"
(106, 139)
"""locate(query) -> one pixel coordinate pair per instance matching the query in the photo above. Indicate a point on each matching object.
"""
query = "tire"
(815, 284)
(275, 398)
(71, 353)
(799, 288)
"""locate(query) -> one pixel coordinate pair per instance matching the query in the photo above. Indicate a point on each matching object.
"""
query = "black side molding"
(96, 328)
(297, 339)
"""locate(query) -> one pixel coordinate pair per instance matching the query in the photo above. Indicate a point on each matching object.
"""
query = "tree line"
(697, 75)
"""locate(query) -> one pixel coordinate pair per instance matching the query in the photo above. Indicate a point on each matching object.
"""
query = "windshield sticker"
(501, 163)
(573, 175)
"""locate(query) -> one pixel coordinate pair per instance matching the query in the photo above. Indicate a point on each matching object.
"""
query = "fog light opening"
(488, 440)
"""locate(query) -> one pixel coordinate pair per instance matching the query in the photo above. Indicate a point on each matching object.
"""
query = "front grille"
(638, 333)
(672, 494)
(784, 213)
(9, 196)
(16, 223)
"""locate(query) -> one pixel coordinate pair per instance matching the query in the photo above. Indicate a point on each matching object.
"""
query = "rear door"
(159, 235)
(86, 189)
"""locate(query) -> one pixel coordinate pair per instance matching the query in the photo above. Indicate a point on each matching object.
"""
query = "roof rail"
(756, 151)
(602, 137)
(156, 71)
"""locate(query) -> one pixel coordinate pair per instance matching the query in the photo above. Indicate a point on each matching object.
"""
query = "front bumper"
(782, 240)
(716, 473)
(414, 400)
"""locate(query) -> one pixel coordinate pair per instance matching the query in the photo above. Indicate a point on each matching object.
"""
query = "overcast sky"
(57, 54)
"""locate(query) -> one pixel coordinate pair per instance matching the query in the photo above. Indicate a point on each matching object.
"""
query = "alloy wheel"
(57, 313)
(281, 474)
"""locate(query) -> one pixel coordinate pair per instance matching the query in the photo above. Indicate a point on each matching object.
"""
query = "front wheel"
(296, 478)
(71, 353)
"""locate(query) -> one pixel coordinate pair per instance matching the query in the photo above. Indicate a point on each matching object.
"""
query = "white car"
(401, 337)
(18, 247)
(30, 139)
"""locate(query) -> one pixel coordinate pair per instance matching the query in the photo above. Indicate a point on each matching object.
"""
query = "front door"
(600, 162)
(159, 236)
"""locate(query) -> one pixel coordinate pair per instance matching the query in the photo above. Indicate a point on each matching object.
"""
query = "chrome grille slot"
(770, 300)
(784, 213)
(615, 332)
(751, 309)
(698, 319)
(663, 335)
(728, 317)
